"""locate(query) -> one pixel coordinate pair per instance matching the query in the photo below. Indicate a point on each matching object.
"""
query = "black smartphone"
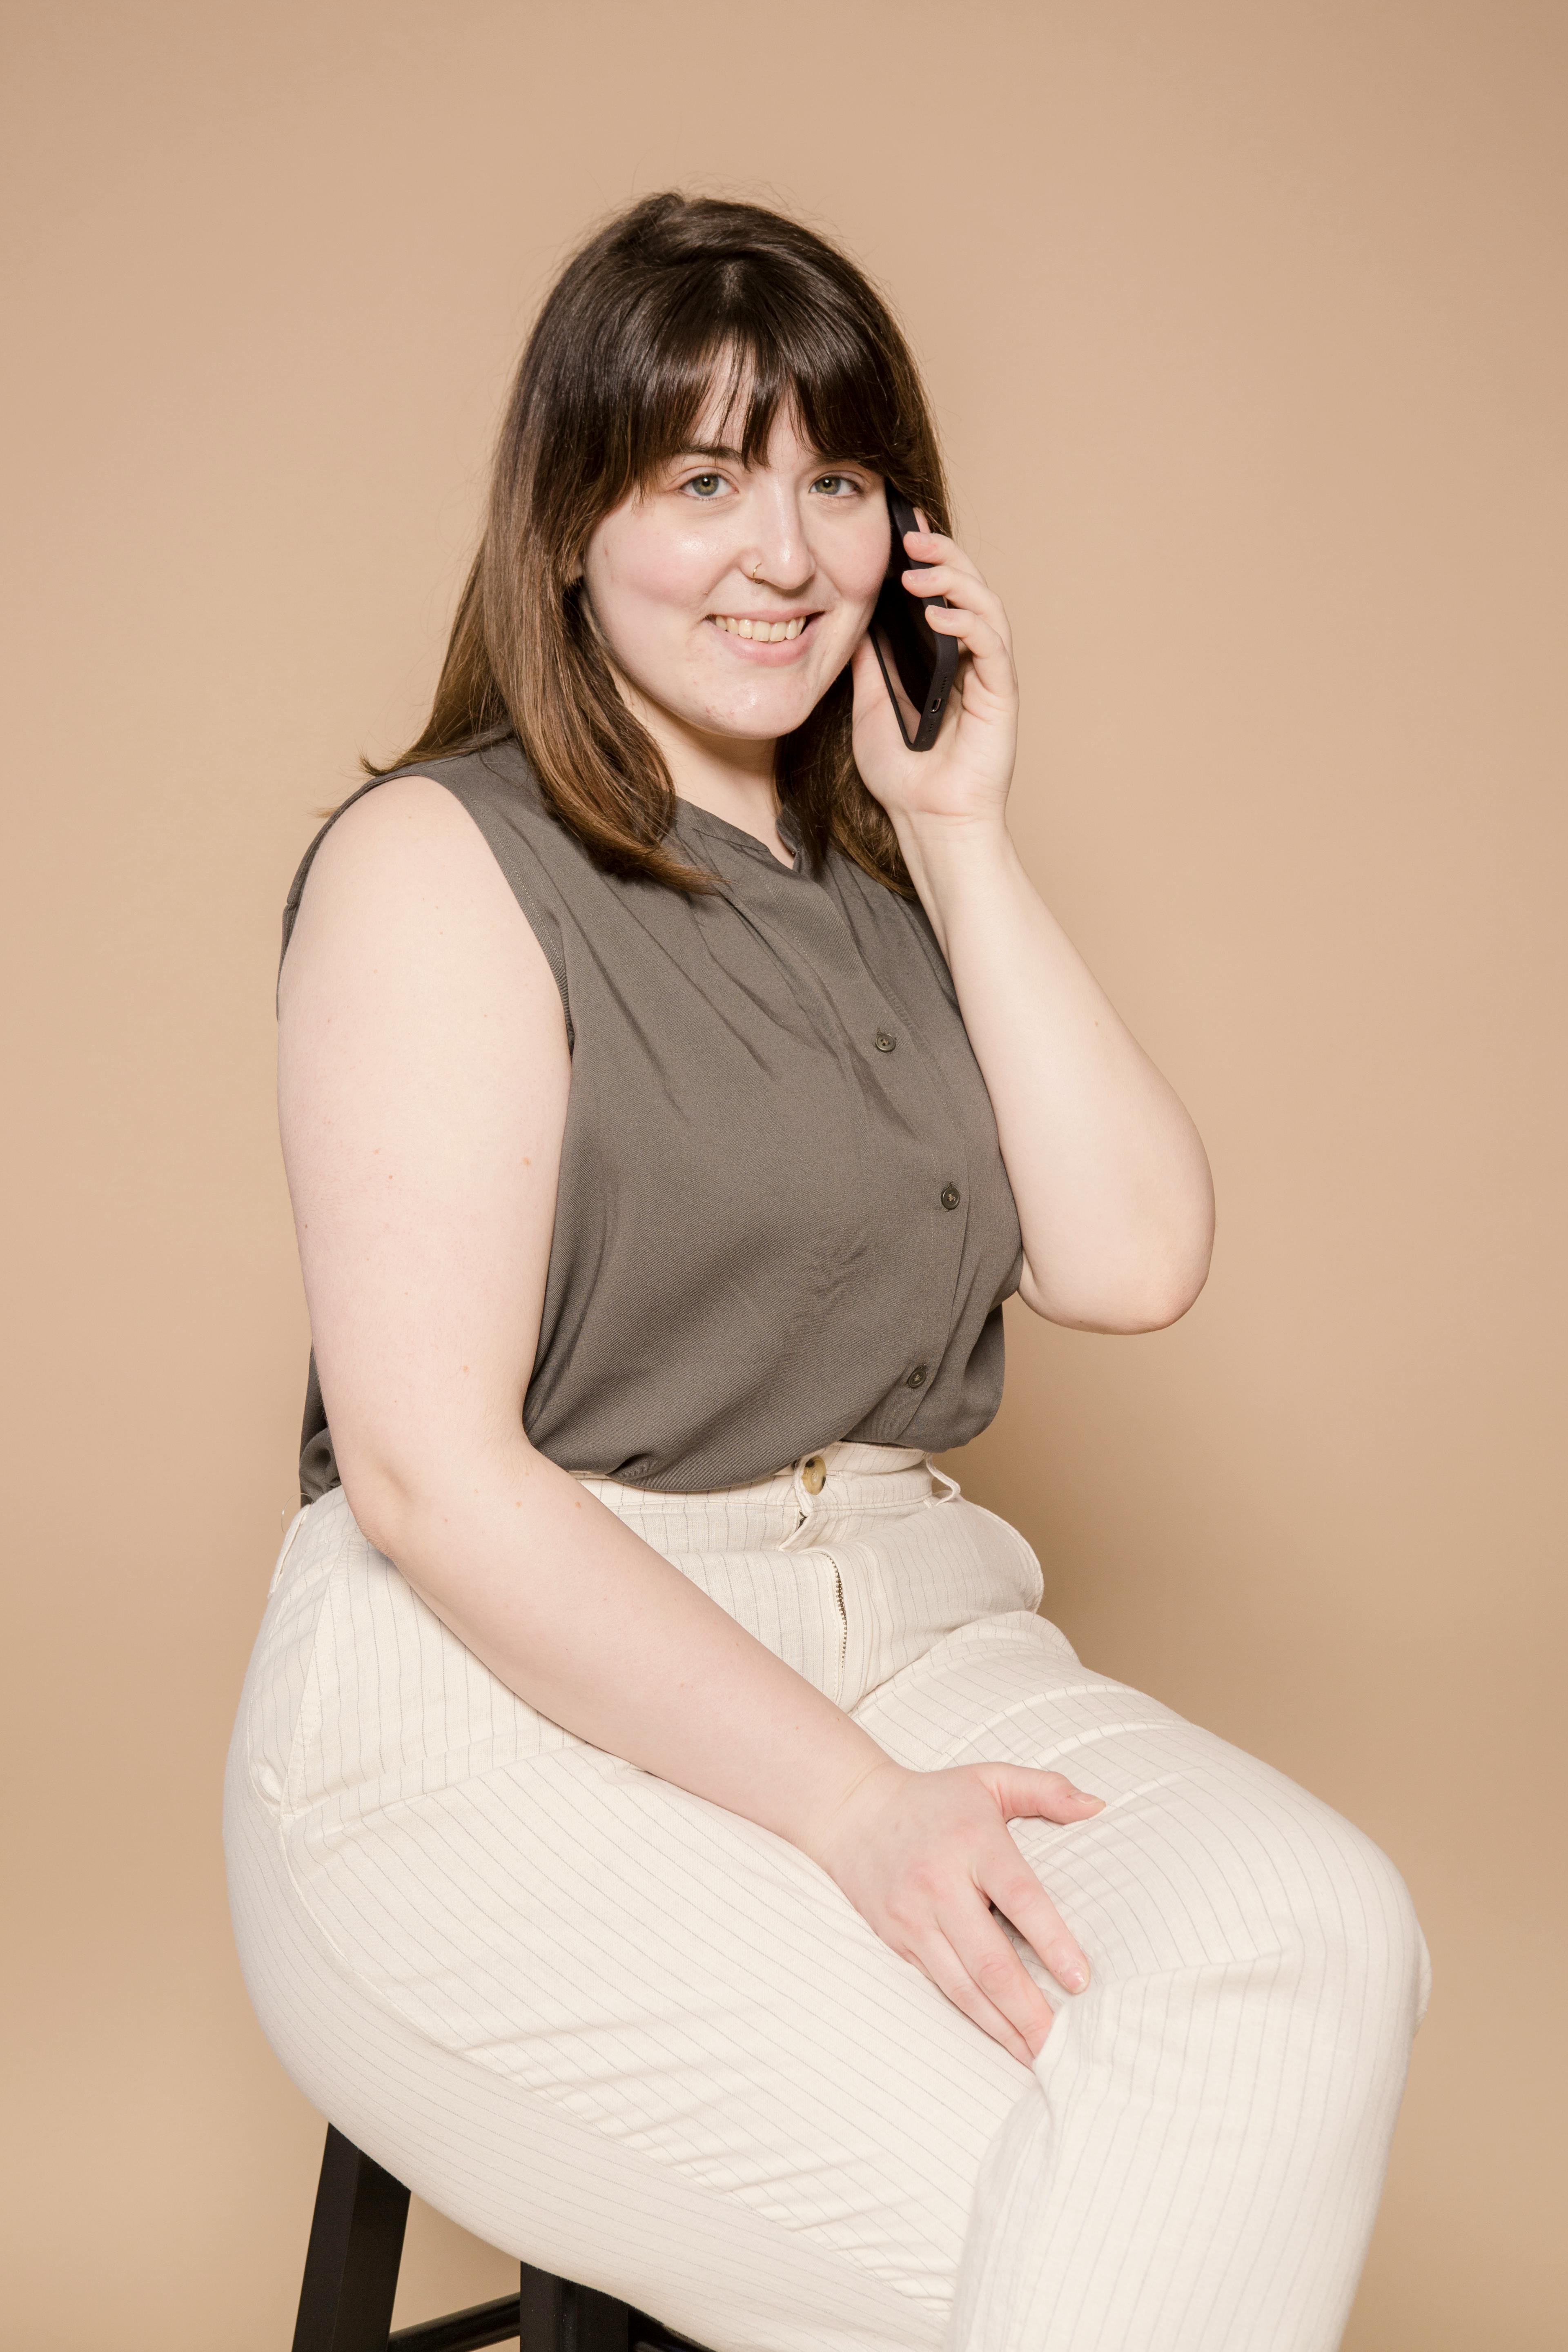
(924, 663)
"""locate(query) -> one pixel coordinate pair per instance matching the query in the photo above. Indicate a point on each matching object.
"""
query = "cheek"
(858, 567)
(643, 578)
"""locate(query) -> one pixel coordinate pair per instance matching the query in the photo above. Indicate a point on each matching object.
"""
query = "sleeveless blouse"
(781, 1216)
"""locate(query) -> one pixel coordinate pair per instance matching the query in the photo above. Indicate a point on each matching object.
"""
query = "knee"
(1327, 1900)
(1272, 1873)
(1362, 1921)
(1216, 1866)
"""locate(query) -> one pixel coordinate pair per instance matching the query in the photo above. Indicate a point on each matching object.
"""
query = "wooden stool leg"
(356, 2245)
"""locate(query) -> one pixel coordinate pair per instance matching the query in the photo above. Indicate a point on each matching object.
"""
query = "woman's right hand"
(923, 1855)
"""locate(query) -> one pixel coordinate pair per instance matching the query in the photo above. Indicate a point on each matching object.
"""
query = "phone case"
(926, 663)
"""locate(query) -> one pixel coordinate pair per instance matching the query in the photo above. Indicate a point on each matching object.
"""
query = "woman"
(677, 1074)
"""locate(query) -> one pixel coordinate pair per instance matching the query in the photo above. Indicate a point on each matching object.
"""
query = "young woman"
(662, 1830)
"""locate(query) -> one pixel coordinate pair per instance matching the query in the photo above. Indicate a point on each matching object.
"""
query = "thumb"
(1024, 1793)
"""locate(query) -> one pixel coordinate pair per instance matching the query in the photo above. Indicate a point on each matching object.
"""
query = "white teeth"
(767, 633)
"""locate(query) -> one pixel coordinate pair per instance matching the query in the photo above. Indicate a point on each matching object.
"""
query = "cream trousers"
(633, 2038)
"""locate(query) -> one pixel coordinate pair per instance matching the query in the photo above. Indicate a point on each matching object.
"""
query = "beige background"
(1247, 327)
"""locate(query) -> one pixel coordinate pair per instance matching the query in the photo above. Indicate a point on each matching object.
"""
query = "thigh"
(667, 1977)
(1203, 1856)
(511, 1964)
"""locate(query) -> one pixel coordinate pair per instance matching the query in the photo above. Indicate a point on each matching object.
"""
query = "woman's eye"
(706, 486)
(835, 486)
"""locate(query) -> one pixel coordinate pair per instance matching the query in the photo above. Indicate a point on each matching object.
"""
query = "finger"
(1027, 1794)
(977, 633)
(926, 556)
(990, 658)
(963, 595)
(936, 547)
(995, 1968)
(1019, 1896)
(957, 586)
(936, 1956)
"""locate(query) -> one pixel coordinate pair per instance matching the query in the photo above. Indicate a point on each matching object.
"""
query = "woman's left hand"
(965, 774)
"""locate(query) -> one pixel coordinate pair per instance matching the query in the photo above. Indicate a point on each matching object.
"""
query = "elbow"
(1148, 1294)
(1161, 1304)
(382, 1504)
(1169, 1287)
(409, 1502)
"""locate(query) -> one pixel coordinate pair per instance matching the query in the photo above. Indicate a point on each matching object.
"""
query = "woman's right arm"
(424, 1073)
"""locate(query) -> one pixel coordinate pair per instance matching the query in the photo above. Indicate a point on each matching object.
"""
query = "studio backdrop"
(1246, 327)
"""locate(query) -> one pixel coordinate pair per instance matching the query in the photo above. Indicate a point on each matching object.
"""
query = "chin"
(758, 718)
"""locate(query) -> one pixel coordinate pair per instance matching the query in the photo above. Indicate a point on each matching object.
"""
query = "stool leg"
(352, 2262)
(556, 2316)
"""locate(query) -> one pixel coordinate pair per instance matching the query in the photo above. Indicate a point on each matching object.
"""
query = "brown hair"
(610, 387)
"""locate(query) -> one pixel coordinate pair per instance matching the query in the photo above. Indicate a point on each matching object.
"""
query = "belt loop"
(295, 1524)
(807, 1499)
(951, 1487)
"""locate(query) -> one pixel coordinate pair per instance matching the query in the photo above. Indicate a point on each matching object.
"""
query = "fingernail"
(1073, 1976)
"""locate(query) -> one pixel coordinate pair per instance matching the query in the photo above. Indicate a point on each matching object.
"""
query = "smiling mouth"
(762, 632)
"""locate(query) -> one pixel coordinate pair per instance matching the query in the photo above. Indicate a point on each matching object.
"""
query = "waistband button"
(813, 1474)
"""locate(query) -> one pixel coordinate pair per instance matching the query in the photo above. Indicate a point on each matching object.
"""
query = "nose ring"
(757, 573)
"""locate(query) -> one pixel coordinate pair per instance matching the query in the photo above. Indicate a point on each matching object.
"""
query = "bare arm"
(1109, 1177)
(423, 1079)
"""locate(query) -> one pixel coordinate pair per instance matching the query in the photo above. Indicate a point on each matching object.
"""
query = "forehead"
(726, 422)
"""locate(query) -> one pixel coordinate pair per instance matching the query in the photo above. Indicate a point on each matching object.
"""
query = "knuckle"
(995, 1968)
(962, 1993)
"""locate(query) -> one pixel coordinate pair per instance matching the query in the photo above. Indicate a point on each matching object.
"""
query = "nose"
(778, 556)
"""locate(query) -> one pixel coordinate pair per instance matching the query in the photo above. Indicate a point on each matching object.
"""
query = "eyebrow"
(721, 449)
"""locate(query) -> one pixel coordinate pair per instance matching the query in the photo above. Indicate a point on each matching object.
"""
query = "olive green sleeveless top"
(783, 1216)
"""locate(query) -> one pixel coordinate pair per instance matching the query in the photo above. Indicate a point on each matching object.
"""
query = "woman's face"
(731, 596)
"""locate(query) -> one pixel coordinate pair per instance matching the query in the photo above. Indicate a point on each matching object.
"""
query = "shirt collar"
(689, 817)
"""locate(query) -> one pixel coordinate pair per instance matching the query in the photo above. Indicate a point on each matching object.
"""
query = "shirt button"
(917, 1379)
(813, 1474)
(951, 1196)
(885, 1044)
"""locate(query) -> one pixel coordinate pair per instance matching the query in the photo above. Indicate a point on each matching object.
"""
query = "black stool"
(351, 2278)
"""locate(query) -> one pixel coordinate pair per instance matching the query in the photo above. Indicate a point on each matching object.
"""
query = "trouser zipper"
(843, 1629)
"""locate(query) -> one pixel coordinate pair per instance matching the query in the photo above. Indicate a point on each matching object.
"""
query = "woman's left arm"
(1109, 1172)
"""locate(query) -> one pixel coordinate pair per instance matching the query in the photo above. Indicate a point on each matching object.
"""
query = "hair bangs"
(739, 346)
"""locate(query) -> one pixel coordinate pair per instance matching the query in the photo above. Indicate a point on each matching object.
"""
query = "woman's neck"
(731, 776)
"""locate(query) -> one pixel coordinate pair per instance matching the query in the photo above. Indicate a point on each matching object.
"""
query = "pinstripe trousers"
(633, 2037)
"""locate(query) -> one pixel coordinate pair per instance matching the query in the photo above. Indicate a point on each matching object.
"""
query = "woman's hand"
(966, 773)
(923, 1855)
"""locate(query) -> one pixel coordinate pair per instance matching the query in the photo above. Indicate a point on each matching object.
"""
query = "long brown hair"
(670, 296)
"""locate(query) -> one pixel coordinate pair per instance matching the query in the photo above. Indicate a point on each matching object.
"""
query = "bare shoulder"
(405, 880)
(409, 834)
